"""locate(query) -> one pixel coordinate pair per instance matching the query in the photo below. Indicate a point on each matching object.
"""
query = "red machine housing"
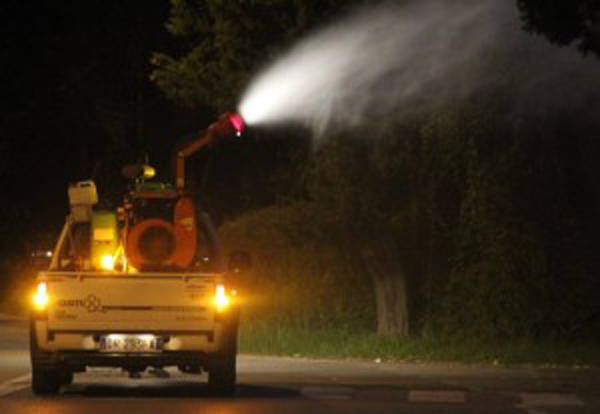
(160, 228)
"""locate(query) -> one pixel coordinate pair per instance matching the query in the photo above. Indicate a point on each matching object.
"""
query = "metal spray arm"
(228, 125)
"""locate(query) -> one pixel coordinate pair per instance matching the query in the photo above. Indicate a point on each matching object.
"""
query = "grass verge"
(283, 340)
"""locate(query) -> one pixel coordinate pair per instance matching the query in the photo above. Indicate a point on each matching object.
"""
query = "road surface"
(297, 385)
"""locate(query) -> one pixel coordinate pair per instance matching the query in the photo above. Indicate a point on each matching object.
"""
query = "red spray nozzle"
(237, 121)
(228, 124)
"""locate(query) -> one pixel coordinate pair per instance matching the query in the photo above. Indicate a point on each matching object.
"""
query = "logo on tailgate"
(92, 303)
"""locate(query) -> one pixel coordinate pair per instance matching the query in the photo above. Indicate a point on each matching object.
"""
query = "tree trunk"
(392, 307)
(391, 293)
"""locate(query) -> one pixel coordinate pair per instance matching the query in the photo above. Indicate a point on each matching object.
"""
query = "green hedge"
(296, 282)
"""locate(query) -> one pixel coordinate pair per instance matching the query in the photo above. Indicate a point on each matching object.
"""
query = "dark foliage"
(564, 21)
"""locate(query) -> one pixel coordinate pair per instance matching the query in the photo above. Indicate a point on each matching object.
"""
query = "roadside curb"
(425, 363)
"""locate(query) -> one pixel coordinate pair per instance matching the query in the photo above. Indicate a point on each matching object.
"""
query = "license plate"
(129, 343)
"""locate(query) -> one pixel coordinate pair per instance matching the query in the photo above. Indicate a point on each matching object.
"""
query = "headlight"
(40, 298)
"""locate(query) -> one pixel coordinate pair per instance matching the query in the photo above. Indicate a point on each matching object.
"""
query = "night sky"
(78, 104)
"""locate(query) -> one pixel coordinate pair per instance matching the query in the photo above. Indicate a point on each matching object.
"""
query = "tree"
(227, 42)
(221, 45)
(366, 191)
(564, 21)
(464, 218)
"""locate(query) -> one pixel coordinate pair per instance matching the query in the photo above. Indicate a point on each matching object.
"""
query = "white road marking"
(532, 410)
(418, 396)
(544, 399)
(328, 393)
(15, 384)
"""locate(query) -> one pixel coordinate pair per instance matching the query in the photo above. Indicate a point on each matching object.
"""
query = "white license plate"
(129, 343)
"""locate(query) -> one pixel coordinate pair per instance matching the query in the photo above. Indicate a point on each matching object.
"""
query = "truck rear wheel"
(222, 372)
(221, 377)
(45, 378)
(65, 377)
(44, 381)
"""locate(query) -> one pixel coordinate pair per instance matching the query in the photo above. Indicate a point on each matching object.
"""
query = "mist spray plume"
(393, 58)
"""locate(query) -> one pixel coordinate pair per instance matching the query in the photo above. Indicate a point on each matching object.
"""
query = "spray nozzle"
(228, 124)
(237, 122)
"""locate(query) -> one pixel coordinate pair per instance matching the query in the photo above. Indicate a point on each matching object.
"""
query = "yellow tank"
(104, 239)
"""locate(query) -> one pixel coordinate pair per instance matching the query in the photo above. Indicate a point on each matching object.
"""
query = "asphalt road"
(297, 385)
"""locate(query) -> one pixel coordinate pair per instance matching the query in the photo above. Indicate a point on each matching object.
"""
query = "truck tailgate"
(130, 302)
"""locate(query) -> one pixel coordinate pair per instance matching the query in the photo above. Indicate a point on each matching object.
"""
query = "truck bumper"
(89, 340)
(77, 361)
(76, 350)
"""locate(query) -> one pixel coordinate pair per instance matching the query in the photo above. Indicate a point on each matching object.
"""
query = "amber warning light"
(221, 299)
(40, 297)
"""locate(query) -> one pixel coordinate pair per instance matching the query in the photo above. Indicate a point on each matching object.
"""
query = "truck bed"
(130, 302)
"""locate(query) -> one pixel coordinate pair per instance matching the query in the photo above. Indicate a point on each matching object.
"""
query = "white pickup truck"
(83, 317)
(143, 285)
